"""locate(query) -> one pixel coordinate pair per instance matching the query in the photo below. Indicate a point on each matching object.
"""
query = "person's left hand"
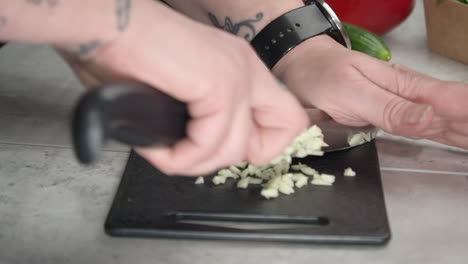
(357, 90)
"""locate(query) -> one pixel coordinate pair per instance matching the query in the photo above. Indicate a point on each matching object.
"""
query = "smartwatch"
(290, 29)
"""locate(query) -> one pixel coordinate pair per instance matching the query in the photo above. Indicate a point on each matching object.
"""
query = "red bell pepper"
(378, 16)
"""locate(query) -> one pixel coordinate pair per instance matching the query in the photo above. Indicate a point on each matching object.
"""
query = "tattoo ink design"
(87, 49)
(3, 22)
(122, 11)
(229, 26)
(51, 3)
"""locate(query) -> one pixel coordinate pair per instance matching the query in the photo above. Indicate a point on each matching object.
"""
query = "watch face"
(334, 20)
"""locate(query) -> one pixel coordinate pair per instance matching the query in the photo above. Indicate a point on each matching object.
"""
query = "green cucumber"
(367, 42)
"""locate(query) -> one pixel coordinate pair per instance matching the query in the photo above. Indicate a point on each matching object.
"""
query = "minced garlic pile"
(280, 176)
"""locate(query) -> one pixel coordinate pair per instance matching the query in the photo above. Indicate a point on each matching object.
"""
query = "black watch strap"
(294, 27)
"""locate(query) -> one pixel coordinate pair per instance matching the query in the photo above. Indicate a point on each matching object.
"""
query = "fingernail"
(417, 114)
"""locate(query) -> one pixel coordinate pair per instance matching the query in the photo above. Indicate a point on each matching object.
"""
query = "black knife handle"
(129, 112)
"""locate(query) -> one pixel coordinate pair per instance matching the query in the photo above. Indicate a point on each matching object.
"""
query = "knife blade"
(338, 136)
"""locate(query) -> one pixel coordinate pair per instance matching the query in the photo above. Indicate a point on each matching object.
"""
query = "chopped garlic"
(316, 153)
(320, 182)
(379, 132)
(269, 193)
(235, 170)
(250, 170)
(301, 181)
(316, 144)
(296, 176)
(267, 174)
(327, 178)
(199, 180)
(289, 151)
(254, 180)
(301, 153)
(277, 160)
(242, 164)
(278, 169)
(285, 188)
(356, 139)
(349, 172)
(315, 131)
(287, 179)
(308, 171)
(226, 173)
(243, 183)
(245, 173)
(360, 138)
(367, 136)
(277, 174)
(273, 183)
(218, 179)
(298, 166)
(323, 179)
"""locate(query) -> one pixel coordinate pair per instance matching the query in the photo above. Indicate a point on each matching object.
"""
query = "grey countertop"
(52, 210)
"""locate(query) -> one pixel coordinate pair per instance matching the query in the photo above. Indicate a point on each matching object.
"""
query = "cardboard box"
(447, 28)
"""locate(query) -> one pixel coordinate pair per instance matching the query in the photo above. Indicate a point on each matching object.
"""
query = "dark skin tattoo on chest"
(123, 9)
(236, 28)
(50, 3)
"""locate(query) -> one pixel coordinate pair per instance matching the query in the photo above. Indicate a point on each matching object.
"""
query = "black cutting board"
(352, 211)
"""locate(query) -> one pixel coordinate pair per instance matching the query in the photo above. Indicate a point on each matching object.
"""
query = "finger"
(447, 98)
(437, 126)
(205, 133)
(278, 119)
(316, 115)
(453, 139)
(233, 148)
(459, 128)
(390, 112)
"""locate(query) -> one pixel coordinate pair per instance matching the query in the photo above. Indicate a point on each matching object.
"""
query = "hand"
(238, 109)
(357, 90)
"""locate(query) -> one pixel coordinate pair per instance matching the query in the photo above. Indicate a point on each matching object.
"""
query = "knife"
(338, 136)
(129, 112)
(139, 115)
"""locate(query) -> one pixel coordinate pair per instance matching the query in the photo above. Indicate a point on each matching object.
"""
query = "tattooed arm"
(81, 24)
(236, 106)
(244, 18)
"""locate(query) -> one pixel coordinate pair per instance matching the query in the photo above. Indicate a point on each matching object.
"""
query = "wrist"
(244, 18)
(292, 61)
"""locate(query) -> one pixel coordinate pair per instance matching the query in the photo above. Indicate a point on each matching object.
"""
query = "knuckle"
(392, 110)
(406, 83)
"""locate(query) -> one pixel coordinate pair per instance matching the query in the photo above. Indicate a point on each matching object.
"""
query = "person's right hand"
(239, 111)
